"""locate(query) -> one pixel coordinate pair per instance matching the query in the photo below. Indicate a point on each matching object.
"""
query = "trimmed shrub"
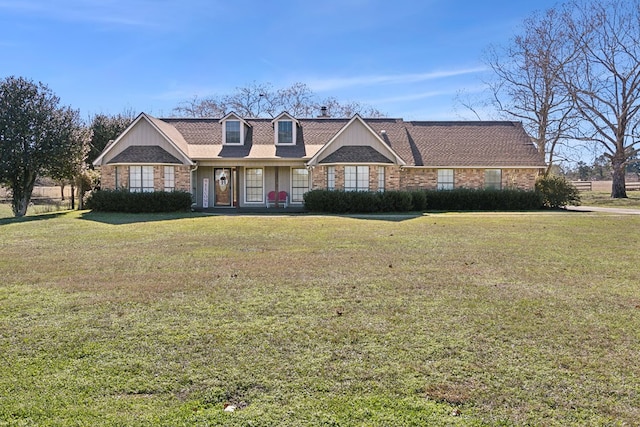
(359, 201)
(129, 202)
(555, 191)
(465, 199)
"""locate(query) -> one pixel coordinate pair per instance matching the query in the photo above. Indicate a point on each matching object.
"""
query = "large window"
(299, 184)
(253, 185)
(141, 179)
(380, 178)
(331, 177)
(285, 132)
(232, 132)
(445, 179)
(356, 178)
(169, 178)
(493, 179)
(118, 178)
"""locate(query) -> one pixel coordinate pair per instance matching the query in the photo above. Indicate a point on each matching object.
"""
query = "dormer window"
(232, 134)
(284, 129)
(285, 132)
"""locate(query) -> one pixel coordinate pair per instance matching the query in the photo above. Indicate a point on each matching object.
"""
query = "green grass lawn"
(447, 319)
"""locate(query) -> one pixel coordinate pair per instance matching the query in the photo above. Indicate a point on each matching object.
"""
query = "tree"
(604, 79)
(261, 100)
(105, 128)
(37, 137)
(528, 84)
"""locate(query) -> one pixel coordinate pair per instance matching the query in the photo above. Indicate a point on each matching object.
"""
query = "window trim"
(246, 186)
(492, 185)
(381, 178)
(358, 181)
(331, 177)
(445, 185)
(292, 197)
(170, 179)
(277, 132)
(224, 132)
(142, 188)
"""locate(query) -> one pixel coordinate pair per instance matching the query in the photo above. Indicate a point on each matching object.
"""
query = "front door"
(222, 191)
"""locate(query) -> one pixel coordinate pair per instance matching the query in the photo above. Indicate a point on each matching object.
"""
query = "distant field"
(448, 319)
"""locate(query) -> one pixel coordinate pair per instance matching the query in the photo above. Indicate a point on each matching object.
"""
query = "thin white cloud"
(92, 11)
(322, 85)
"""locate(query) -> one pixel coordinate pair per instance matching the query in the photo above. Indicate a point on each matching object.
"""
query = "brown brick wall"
(108, 177)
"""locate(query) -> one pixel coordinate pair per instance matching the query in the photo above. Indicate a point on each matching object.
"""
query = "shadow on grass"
(117, 218)
(30, 218)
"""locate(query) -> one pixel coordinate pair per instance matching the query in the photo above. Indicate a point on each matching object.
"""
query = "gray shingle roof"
(355, 154)
(144, 154)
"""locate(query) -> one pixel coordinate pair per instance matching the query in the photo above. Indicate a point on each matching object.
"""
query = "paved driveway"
(599, 209)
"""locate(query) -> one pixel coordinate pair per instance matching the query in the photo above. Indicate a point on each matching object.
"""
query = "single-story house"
(243, 162)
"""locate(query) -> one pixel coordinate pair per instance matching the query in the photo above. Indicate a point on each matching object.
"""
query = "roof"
(144, 154)
(455, 144)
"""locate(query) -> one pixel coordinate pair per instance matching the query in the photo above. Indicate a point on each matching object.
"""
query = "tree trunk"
(62, 192)
(21, 194)
(618, 190)
(73, 198)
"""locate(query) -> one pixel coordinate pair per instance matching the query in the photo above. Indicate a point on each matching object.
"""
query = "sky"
(407, 58)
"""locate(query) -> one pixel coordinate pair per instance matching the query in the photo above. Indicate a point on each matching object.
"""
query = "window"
(299, 184)
(253, 185)
(232, 134)
(356, 178)
(141, 179)
(493, 179)
(331, 177)
(169, 178)
(445, 179)
(118, 178)
(380, 178)
(285, 132)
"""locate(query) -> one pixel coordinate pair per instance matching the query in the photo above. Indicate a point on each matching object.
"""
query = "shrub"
(125, 201)
(555, 191)
(465, 199)
(359, 201)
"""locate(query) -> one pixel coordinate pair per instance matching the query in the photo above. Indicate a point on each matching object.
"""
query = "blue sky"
(408, 58)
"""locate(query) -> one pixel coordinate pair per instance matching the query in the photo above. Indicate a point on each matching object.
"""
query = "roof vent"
(383, 132)
(323, 112)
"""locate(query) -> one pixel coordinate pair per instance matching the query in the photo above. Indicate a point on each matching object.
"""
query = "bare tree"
(604, 79)
(528, 84)
(261, 100)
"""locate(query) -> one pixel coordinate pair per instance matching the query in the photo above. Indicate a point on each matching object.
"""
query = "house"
(242, 162)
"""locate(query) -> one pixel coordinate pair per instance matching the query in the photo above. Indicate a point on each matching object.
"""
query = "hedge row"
(420, 200)
(130, 202)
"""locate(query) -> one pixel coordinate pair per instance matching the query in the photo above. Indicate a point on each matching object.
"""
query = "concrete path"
(621, 211)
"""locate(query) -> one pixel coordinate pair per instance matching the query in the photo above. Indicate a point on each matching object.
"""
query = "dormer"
(234, 129)
(285, 129)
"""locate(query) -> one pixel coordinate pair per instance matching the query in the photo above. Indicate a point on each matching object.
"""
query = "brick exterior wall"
(424, 178)
(182, 177)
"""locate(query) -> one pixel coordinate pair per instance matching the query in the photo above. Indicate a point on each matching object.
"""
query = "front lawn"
(447, 319)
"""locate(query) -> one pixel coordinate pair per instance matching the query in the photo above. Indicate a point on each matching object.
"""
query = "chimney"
(323, 112)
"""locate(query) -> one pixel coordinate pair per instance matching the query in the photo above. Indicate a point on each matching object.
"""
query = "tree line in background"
(573, 77)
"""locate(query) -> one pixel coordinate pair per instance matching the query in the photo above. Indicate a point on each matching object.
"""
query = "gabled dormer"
(285, 129)
(234, 129)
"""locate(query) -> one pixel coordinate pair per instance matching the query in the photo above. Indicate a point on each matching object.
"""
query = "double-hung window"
(254, 185)
(445, 179)
(169, 178)
(141, 179)
(356, 178)
(331, 177)
(299, 184)
(380, 178)
(493, 179)
(285, 132)
(232, 132)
